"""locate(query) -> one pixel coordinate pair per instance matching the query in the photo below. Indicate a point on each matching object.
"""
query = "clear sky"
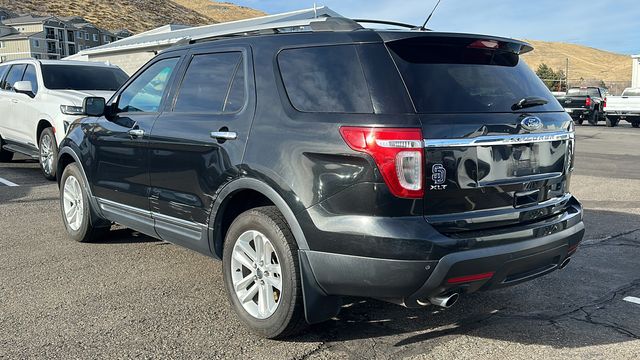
(612, 25)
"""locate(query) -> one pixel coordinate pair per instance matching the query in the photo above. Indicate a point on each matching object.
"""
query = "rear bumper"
(623, 114)
(410, 282)
(578, 113)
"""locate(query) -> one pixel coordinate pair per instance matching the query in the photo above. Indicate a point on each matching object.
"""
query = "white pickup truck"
(625, 107)
(40, 98)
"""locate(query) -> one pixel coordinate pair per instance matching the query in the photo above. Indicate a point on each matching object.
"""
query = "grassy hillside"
(220, 11)
(136, 15)
(584, 62)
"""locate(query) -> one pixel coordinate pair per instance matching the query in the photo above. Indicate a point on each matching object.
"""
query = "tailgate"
(573, 102)
(623, 104)
(497, 175)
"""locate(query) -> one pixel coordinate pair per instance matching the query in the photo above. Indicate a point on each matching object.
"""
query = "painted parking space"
(632, 299)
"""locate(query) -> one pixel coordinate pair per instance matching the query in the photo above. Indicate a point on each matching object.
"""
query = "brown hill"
(220, 11)
(135, 15)
(584, 62)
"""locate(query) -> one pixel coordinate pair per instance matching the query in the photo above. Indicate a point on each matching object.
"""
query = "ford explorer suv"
(584, 103)
(40, 98)
(331, 160)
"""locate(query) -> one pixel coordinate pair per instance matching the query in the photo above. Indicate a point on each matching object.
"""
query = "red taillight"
(470, 278)
(588, 101)
(398, 153)
(604, 103)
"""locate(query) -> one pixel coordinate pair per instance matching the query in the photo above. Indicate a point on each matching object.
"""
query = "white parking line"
(7, 182)
(632, 299)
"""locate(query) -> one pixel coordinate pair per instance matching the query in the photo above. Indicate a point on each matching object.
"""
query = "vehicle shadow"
(571, 308)
(122, 235)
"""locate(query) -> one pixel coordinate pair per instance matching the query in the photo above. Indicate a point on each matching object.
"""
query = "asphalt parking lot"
(132, 296)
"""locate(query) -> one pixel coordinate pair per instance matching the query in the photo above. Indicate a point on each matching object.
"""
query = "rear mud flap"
(318, 306)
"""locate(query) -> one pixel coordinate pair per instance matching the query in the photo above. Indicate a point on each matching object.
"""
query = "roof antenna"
(423, 27)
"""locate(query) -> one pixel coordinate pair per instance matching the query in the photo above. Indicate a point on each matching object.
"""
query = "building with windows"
(49, 37)
(635, 76)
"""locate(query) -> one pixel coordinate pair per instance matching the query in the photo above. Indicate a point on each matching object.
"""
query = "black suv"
(409, 166)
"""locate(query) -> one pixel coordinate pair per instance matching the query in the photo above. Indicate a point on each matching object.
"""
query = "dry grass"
(135, 15)
(220, 11)
(584, 62)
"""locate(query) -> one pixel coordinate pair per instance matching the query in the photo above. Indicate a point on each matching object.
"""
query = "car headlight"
(71, 110)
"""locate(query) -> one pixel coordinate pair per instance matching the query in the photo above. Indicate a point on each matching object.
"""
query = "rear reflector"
(398, 153)
(470, 278)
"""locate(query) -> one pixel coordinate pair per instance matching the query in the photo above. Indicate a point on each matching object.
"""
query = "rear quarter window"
(327, 79)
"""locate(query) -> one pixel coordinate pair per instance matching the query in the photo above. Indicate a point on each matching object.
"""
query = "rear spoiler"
(473, 40)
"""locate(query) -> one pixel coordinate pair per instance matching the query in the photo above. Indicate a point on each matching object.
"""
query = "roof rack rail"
(384, 22)
(317, 24)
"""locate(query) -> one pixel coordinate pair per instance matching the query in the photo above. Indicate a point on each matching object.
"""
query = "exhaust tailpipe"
(445, 301)
(564, 263)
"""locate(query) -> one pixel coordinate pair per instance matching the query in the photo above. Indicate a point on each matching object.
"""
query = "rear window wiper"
(529, 101)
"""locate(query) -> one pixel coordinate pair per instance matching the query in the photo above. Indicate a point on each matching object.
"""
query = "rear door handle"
(224, 135)
(14, 101)
(136, 133)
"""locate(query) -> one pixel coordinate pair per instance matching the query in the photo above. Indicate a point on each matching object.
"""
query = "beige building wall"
(130, 62)
(15, 49)
(29, 28)
(23, 48)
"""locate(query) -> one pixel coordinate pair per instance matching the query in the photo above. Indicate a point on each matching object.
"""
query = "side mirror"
(94, 106)
(24, 87)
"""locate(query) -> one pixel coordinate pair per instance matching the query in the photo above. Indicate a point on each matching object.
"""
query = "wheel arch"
(67, 156)
(43, 124)
(240, 189)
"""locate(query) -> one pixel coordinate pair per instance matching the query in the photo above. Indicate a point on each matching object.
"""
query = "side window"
(145, 93)
(15, 74)
(30, 75)
(325, 79)
(213, 83)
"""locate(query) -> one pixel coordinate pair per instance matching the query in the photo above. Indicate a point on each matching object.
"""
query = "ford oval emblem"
(531, 123)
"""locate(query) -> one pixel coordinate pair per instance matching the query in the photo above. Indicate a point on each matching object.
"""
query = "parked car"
(40, 98)
(584, 103)
(409, 166)
(625, 107)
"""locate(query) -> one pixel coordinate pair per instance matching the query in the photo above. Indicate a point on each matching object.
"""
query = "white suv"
(40, 98)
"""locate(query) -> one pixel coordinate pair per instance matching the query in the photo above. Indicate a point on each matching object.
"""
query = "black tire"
(5, 155)
(48, 169)
(88, 230)
(611, 121)
(288, 317)
(579, 121)
(635, 124)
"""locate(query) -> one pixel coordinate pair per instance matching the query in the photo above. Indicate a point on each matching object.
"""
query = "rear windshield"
(74, 77)
(583, 92)
(452, 76)
(631, 92)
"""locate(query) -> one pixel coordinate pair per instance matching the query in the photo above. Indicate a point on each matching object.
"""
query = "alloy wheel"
(46, 153)
(73, 203)
(256, 274)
